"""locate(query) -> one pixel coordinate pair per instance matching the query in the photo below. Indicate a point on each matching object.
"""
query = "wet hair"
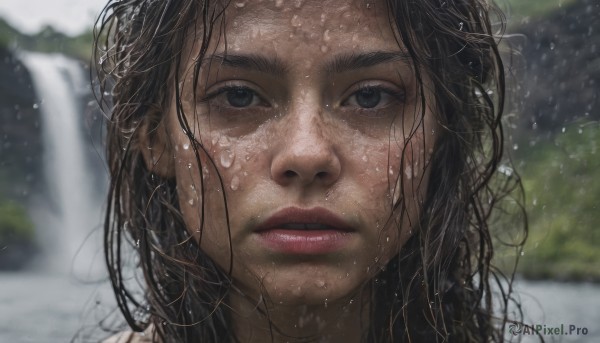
(442, 286)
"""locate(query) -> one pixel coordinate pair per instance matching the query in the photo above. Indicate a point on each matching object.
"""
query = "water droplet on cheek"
(408, 172)
(296, 22)
(235, 183)
(227, 157)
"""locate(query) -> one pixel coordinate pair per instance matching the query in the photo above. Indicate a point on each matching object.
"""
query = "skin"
(305, 140)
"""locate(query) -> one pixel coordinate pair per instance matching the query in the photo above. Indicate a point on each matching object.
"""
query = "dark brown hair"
(438, 288)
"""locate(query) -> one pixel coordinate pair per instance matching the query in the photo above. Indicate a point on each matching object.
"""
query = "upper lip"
(295, 218)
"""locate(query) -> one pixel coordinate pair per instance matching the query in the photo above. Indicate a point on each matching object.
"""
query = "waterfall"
(68, 215)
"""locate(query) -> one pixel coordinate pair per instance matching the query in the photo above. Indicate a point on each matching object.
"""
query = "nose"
(307, 154)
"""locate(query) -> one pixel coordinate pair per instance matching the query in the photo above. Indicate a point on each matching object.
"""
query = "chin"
(309, 286)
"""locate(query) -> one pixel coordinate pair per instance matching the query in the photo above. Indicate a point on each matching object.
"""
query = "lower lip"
(304, 241)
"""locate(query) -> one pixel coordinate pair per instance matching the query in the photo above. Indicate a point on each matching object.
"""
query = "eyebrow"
(252, 62)
(339, 64)
(353, 61)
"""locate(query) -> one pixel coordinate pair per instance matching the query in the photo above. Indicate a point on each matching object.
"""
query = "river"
(49, 308)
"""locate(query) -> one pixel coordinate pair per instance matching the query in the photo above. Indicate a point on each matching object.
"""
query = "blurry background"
(53, 179)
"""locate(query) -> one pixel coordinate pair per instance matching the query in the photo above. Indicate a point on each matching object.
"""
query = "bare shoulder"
(132, 337)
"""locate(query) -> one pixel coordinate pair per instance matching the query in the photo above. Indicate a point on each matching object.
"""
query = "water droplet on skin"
(408, 172)
(227, 157)
(240, 4)
(224, 142)
(324, 48)
(364, 158)
(189, 165)
(320, 283)
(278, 3)
(191, 202)
(235, 183)
(296, 22)
(186, 146)
(326, 36)
(387, 239)
(391, 171)
(325, 302)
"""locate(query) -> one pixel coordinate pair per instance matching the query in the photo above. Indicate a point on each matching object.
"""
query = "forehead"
(302, 28)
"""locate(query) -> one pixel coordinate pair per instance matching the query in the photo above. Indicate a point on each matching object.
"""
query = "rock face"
(21, 150)
(561, 81)
(20, 137)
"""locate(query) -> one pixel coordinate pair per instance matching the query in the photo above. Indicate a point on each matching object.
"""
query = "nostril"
(321, 175)
(289, 174)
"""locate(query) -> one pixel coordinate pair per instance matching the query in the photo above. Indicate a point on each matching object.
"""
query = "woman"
(303, 170)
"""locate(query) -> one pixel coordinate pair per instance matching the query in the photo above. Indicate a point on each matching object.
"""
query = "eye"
(371, 97)
(235, 96)
(240, 96)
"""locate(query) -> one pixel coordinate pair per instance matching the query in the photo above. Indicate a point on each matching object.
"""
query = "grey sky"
(69, 16)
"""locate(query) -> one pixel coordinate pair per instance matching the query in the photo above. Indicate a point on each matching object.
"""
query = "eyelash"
(398, 96)
(230, 88)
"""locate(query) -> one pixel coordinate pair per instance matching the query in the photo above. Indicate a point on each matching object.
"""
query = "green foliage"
(563, 196)
(47, 40)
(15, 225)
(531, 8)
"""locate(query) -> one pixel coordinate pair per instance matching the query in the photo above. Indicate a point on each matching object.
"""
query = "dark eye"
(368, 97)
(240, 97)
(374, 97)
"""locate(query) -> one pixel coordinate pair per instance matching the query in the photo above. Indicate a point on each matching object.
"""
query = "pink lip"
(304, 231)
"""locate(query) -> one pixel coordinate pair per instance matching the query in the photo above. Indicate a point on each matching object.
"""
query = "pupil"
(368, 97)
(239, 97)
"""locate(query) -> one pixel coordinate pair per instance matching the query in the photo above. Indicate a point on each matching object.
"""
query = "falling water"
(67, 216)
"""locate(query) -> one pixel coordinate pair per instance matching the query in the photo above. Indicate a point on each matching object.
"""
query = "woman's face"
(309, 112)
